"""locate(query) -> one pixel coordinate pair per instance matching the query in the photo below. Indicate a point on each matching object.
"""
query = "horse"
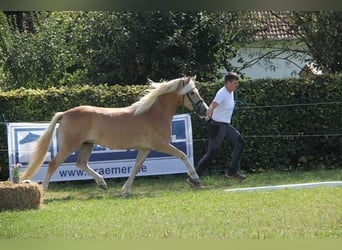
(145, 125)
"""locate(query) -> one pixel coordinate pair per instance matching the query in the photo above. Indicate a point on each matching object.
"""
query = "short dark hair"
(231, 76)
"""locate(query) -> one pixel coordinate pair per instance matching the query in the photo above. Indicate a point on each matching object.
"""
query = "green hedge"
(267, 110)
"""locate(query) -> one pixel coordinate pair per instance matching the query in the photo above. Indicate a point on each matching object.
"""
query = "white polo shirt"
(223, 112)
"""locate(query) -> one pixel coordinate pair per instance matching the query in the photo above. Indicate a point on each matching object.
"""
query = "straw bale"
(20, 196)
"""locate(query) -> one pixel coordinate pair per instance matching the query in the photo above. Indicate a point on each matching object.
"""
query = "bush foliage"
(287, 123)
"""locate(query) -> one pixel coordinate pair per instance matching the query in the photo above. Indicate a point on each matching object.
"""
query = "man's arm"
(211, 108)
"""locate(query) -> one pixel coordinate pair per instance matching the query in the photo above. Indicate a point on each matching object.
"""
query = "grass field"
(165, 207)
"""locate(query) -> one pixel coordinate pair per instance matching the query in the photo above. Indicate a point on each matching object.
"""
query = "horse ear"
(188, 78)
(193, 77)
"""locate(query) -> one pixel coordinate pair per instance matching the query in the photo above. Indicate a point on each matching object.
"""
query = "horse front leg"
(142, 154)
(171, 150)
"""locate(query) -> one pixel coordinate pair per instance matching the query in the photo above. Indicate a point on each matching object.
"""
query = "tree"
(321, 31)
(42, 58)
(312, 37)
(129, 47)
(21, 20)
(67, 48)
(5, 44)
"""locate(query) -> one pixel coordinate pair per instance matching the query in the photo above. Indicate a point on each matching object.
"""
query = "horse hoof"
(103, 186)
(194, 183)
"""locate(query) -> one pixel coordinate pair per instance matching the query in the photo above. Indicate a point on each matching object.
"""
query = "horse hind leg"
(82, 163)
(53, 165)
(142, 154)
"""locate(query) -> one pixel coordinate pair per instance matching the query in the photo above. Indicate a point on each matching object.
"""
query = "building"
(276, 52)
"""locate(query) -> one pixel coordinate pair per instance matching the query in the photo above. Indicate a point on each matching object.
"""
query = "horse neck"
(166, 105)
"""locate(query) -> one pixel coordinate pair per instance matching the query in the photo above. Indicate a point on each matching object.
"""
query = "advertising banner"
(22, 138)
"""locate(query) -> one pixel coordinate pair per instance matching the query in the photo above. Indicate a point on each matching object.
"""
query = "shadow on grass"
(158, 186)
(143, 187)
(57, 197)
(54, 199)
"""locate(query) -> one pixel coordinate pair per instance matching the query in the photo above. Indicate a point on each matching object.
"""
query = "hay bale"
(20, 196)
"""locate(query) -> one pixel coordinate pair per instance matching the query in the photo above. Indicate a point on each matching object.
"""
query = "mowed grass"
(165, 207)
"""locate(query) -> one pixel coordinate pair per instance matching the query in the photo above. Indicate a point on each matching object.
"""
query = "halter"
(195, 105)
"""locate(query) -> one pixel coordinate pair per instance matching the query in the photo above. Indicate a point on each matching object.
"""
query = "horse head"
(192, 98)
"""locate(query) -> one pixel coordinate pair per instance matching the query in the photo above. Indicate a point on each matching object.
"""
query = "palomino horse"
(145, 125)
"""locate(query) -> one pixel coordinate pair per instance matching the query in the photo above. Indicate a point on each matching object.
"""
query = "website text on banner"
(22, 138)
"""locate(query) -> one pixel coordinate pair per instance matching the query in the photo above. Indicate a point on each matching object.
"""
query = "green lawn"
(166, 207)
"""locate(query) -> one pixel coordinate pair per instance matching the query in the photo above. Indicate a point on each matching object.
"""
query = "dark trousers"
(217, 131)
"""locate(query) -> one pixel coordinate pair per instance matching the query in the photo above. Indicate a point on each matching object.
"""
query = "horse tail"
(41, 149)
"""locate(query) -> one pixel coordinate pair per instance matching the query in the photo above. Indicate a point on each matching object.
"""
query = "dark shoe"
(236, 176)
(194, 183)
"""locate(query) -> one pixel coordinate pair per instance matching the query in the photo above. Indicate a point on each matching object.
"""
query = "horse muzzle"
(201, 109)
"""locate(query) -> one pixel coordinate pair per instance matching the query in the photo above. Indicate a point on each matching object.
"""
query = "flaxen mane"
(157, 89)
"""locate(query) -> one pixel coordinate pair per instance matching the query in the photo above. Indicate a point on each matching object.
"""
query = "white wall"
(267, 68)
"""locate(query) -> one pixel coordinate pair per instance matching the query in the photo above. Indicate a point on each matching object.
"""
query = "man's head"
(231, 81)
